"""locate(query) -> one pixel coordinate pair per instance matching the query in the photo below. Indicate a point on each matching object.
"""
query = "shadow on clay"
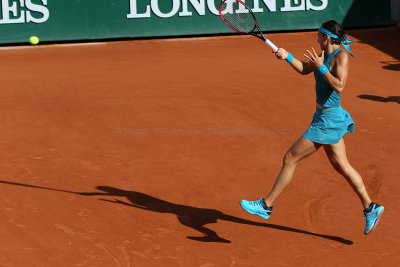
(193, 217)
(395, 99)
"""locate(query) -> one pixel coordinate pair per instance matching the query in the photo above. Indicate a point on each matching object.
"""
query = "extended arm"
(302, 67)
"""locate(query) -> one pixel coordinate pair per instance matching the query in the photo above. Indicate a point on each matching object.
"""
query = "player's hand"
(281, 53)
(316, 60)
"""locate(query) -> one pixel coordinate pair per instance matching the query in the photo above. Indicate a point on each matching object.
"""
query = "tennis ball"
(34, 40)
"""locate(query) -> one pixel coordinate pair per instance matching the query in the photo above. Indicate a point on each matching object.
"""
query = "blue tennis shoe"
(257, 207)
(371, 216)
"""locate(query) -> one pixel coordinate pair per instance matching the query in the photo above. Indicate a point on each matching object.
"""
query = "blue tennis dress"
(328, 126)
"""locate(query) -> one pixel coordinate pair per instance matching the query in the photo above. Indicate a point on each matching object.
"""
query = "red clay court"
(137, 153)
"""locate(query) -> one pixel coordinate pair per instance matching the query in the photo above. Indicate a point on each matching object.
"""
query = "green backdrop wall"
(55, 20)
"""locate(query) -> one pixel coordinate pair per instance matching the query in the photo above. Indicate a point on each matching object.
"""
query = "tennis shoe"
(371, 216)
(257, 207)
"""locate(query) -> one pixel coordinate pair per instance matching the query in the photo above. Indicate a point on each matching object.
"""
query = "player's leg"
(372, 211)
(301, 149)
(337, 156)
(298, 151)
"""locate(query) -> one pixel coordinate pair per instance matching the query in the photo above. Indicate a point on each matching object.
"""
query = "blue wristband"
(289, 58)
(323, 69)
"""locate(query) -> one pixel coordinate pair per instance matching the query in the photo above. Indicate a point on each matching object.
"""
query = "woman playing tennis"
(329, 124)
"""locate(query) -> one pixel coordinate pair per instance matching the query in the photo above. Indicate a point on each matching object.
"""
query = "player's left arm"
(337, 77)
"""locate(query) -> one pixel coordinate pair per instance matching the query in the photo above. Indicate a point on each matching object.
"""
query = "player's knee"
(289, 159)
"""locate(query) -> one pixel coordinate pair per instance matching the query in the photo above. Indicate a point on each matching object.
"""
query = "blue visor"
(345, 41)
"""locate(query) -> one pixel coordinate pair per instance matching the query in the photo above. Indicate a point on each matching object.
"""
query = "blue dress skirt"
(329, 126)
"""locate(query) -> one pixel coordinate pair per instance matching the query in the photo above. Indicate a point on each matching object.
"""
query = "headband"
(345, 41)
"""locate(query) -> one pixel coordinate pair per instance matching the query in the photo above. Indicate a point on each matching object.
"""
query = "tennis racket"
(239, 17)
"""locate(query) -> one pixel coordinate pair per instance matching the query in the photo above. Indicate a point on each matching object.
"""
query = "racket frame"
(259, 34)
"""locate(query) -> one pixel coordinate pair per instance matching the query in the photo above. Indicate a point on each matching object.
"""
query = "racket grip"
(268, 42)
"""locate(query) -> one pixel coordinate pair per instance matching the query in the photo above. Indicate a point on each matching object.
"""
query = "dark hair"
(336, 29)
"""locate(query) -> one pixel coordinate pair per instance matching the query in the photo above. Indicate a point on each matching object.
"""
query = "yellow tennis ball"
(34, 40)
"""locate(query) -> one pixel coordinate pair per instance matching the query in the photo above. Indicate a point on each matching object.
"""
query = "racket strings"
(238, 16)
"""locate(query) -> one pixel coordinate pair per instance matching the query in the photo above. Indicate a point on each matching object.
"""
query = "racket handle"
(268, 42)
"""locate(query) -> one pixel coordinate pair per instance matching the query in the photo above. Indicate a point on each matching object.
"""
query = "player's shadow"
(395, 99)
(193, 217)
(392, 65)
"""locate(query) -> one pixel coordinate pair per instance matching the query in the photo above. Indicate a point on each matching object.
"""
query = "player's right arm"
(302, 67)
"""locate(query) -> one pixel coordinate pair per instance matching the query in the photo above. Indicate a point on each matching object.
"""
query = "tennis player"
(329, 124)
